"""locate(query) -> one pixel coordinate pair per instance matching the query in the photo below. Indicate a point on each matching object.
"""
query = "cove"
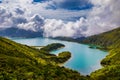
(84, 59)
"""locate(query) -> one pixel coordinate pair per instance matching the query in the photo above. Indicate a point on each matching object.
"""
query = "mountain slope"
(110, 41)
(106, 39)
(16, 32)
(23, 62)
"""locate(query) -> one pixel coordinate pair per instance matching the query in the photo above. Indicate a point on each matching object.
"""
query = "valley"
(31, 63)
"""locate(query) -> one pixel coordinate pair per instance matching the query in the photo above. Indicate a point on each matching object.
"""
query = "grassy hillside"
(110, 41)
(61, 58)
(53, 46)
(21, 62)
(106, 39)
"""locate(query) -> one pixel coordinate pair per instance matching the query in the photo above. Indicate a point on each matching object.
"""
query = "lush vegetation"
(64, 56)
(111, 42)
(106, 39)
(53, 46)
(21, 62)
(61, 58)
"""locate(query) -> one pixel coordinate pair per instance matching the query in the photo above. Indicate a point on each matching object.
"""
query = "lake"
(84, 59)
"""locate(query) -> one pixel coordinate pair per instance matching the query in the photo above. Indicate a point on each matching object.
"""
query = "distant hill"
(17, 32)
(21, 62)
(106, 39)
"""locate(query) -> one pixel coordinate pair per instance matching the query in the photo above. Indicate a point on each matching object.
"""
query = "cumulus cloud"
(5, 20)
(24, 14)
(47, 6)
(35, 24)
(17, 1)
(104, 16)
(18, 18)
(55, 28)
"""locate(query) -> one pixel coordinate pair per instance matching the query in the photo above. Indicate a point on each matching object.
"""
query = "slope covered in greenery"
(106, 39)
(61, 58)
(110, 41)
(21, 62)
(53, 46)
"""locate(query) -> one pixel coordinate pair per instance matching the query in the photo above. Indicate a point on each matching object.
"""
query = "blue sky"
(69, 4)
(39, 0)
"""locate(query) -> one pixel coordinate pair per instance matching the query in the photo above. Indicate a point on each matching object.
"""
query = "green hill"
(21, 62)
(110, 41)
(106, 39)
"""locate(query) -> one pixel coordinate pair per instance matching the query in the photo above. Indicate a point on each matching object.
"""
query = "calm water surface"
(84, 59)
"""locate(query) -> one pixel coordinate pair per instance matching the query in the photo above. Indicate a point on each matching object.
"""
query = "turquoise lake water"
(84, 59)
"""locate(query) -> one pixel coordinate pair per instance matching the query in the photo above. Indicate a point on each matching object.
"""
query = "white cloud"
(54, 28)
(35, 24)
(41, 8)
(23, 14)
(103, 17)
(17, 1)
